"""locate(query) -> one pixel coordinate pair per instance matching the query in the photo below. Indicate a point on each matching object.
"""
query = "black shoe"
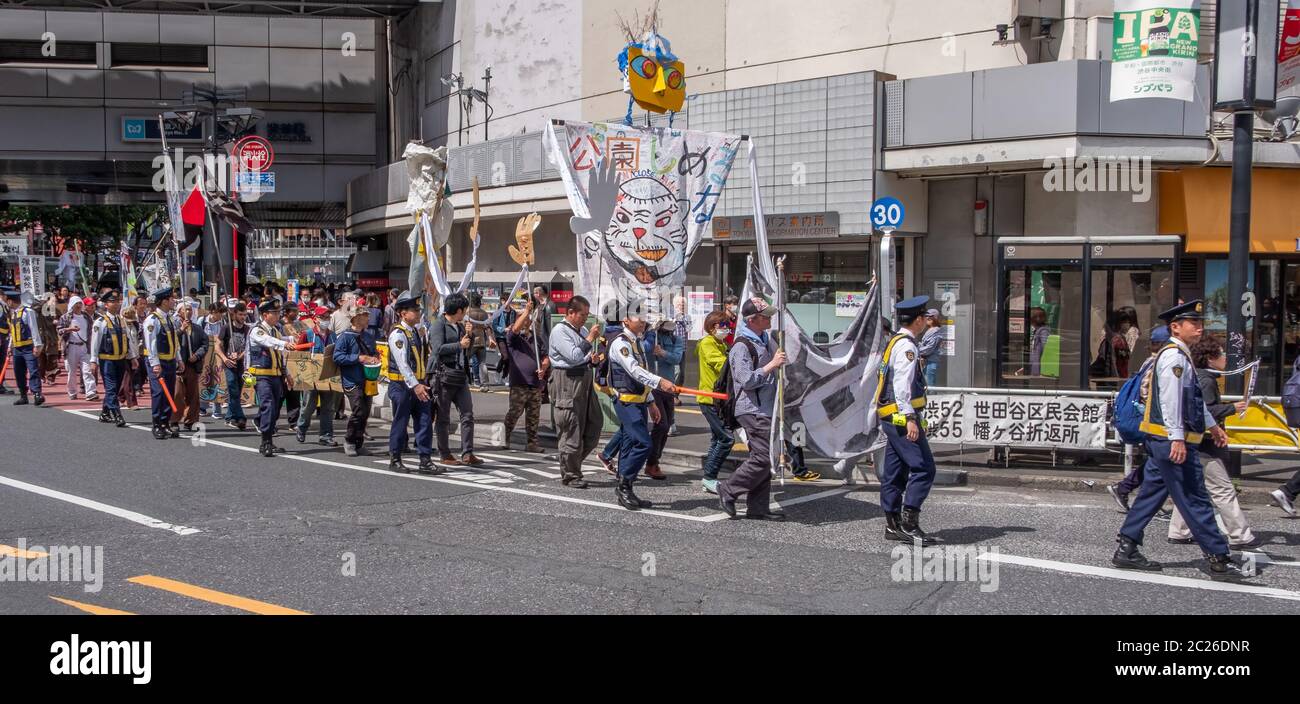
(728, 505)
(40, 400)
(1121, 499)
(640, 501)
(300, 434)
(4, 391)
(174, 431)
(575, 483)
(241, 424)
(1127, 557)
(266, 449)
(769, 516)
(22, 401)
(427, 466)
(1182, 541)
(910, 524)
(1222, 568)
(626, 498)
(118, 419)
(396, 464)
(105, 416)
(188, 427)
(893, 528)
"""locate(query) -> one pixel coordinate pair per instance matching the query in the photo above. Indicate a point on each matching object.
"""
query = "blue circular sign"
(887, 213)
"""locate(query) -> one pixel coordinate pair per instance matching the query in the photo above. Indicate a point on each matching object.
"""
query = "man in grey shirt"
(578, 418)
(754, 361)
(929, 347)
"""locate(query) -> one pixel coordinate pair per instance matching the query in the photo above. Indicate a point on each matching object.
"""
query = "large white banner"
(1155, 49)
(31, 271)
(642, 200)
(1288, 50)
(1007, 419)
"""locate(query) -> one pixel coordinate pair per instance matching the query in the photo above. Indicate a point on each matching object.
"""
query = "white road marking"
(512, 463)
(1136, 576)
(98, 506)
(1264, 559)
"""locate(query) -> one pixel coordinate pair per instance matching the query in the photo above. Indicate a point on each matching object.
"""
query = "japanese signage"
(13, 246)
(848, 303)
(801, 226)
(148, 129)
(698, 305)
(1041, 421)
(1155, 49)
(31, 271)
(255, 182)
(946, 294)
(1288, 50)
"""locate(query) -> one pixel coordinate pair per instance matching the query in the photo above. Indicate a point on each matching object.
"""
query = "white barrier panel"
(1006, 419)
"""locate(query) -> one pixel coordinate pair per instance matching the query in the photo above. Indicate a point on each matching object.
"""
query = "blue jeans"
(234, 391)
(328, 402)
(721, 444)
(931, 372)
(611, 447)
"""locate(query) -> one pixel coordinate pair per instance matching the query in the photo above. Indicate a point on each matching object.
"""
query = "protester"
(931, 347)
(323, 402)
(213, 374)
(341, 319)
(232, 346)
(480, 339)
(545, 308)
(450, 343)
(527, 378)
(296, 330)
(502, 319)
(578, 419)
(193, 351)
(664, 350)
(712, 354)
(352, 352)
(75, 330)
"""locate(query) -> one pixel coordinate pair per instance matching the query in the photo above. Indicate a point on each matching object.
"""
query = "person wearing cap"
(74, 328)
(5, 292)
(353, 350)
(754, 361)
(578, 418)
(631, 378)
(25, 340)
(526, 347)
(408, 387)
(266, 348)
(449, 342)
(213, 374)
(1120, 492)
(162, 345)
(1174, 423)
(321, 339)
(110, 349)
(232, 351)
(908, 470)
(928, 350)
(665, 351)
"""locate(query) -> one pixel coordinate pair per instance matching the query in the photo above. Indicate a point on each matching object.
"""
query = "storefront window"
(1126, 300)
(815, 280)
(1043, 327)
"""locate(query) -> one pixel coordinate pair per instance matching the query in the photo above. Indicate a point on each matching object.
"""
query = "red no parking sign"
(253, 154)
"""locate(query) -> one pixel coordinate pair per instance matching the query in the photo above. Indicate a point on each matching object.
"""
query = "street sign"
(147, 129)
(887, 214)
(253, 154)
(255, 182)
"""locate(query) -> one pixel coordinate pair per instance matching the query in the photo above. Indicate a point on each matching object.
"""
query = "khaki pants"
(1219, 486)
(578, 419)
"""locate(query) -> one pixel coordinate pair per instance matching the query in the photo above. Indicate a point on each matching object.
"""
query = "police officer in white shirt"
(908, 470)
(265, 356)
(632, 380)
(408, 387)
(162, 346)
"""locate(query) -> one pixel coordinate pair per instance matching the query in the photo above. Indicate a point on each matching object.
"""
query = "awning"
(1197, 203)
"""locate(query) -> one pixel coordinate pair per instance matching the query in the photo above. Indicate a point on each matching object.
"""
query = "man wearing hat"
(355, 349)
(110, 349)
(74, 327)
(25, 339)
(929, 349)
(322, 339)
(632, 380)
(232, 348)
(266, 363)
(908, 470)
(162, 344)
(1175, 420)
(408, 388)
(295, 331)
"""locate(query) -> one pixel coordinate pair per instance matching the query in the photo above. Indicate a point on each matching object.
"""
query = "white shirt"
(262, 338)
(97, 336)
(904, 370)
(151, 324)
(623, 352)
(1171, 389)
(400, 352)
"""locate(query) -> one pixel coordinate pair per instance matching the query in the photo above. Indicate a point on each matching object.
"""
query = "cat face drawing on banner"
(646, 237)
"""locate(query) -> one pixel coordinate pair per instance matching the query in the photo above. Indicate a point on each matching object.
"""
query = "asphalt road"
(209, 526)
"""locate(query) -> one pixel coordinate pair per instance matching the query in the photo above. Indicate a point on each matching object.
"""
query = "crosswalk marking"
(215, 597)
(92, 609)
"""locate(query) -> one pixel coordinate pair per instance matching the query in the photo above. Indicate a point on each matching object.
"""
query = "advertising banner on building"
(1288, 50)
(1006, 419)
(1155, 49)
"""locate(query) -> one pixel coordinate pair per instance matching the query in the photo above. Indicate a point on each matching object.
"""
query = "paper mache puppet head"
(653, 75)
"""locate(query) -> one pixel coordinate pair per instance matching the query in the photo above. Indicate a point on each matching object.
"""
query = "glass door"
(1126, 300)
(1042, 324)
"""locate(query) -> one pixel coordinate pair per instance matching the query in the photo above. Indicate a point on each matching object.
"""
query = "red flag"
(194, 213)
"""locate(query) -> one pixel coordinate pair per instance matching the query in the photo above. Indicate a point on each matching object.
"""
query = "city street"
(209, 526)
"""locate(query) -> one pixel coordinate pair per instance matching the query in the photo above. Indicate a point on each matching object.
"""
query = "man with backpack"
(578, 419)
(1174, 421)
(752, 364)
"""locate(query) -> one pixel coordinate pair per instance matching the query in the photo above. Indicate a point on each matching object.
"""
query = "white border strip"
(97, 506)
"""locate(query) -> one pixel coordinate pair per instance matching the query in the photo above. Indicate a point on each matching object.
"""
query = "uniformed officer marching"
(1174, 422)
(108, 349)
(266, 364)
(25, 340)
(408, 388)
(161, 344)
(632, 380)
(908, 470)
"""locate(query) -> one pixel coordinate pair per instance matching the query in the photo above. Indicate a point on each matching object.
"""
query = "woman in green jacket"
(712, 353)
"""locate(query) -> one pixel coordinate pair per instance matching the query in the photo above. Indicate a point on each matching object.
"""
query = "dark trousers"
(187, 395)
(1133, 480)
(235, 393)
(160, 408)
(293, 407)
(27, 372)
(328, 401)
(359, 402)
(1292, 487)
(721, 444)
(113, 371)
(634, 422)
(270, 394)
(611, 447)
(459, 396)
(1185, 484)
(659, 433)
(753, 478)
(407, 409)
(908, 474)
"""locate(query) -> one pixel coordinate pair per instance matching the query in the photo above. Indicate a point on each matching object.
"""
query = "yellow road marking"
(215, 597)
(92, 609)
(6, 550)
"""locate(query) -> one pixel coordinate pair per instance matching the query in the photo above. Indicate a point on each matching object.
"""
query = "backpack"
(727, 409)
(1291, 396)
(1130, 404)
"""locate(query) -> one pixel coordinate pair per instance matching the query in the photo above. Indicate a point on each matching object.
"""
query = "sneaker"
(672, 431)
(1164, 515)
(327, 442)
(232, 424)
(807, 476)
(609, 465)
(1120, 499)
(92, 397)
(1284, 501)
(710, 486)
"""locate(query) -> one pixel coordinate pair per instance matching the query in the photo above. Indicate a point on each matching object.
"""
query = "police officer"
(266, 364)
(1174, 422)
(408, 387)
(161, 344)
(109, 349)
(908, 470)
(630, 377)
(25, 340)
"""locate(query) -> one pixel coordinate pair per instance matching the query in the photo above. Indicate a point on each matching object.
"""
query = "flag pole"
(783, 457)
